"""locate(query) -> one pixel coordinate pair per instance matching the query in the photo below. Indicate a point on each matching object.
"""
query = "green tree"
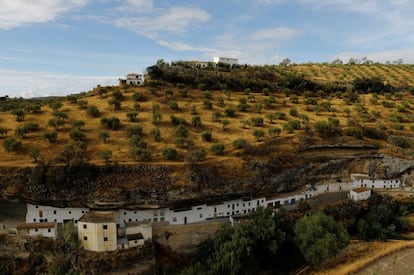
(104, 136)
(319, 237)
(170, 153)
(34, 153)
(141, 154)
(78, 124)
(70, 234)
(206, 136)
(115, 103)
(106, 155)
(224, 124)
(132, 116)
(181, 131)
(19, 114)
(135, 130)
(93, 111)
(112, 123)
(217, 149)
(55, 123)
(77, 135)
(196, 121)
(3, 131)
(50, 136)
(239, 143)
(259, 134)
(156, 133)
(60, 115)
(55, 105)
(11, 144)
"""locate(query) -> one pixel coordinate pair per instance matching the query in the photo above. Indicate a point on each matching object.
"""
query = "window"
(85, 226)
(49, 230)
(201, 215)
(105, 226)
(105, 239)
(36, 229)
(70, 212)
(174, 219)
(34, 220)
(83, 211)
(85, 238)
(37, 206)
(54, 212)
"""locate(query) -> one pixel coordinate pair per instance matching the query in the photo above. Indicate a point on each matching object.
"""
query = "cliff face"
(146, 186)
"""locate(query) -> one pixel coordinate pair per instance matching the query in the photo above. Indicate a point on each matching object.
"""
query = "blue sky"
(58, 47)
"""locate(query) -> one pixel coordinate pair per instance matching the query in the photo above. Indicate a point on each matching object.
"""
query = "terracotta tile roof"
(36, 225)
(360, 189)
(98, 217)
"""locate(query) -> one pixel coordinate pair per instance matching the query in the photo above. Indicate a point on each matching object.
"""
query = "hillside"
(377, 116)
(276, 132)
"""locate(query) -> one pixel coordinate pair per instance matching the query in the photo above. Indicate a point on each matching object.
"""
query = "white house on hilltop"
(133, 79)
(226, 60)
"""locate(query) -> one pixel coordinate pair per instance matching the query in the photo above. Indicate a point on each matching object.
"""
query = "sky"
(59, 47)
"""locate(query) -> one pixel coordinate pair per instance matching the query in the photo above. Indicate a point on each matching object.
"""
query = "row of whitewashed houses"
(44, 220)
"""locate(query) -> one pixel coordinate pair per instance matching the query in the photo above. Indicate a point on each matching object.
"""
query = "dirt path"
(400, 262)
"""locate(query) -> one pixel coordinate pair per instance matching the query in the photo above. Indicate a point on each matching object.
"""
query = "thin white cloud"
(34, 84)
(176, 20)
(15, 13)
(138, 6)
(279, 33)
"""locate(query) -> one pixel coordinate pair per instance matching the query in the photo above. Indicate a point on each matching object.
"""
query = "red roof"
(36, 225)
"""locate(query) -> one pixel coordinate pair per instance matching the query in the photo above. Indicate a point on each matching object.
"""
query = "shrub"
(196, 155)
(177, 120)
(19, 114)
(239, 143)
(196, 121)
(30, 127)
(141, 154)
(355, 132)
(259, 134)
(291, 125)
(274, 131)
(77, 135)
(117, 95)
(112, 123)
(50, 136)
(11, 144)
(182, 142)
(135, 130)
(103, 135)
(93, 111)
(280, 116)
(170, 153)
(82, 104)
(115, 103)
(106, 155)
(399, 141)
(137, 141)
(139, 97)
(206, 136)
(293, 112)
(257, 121)
(132, 116)
(207, 104)
(230, 112)
(173, 105)
(156, 134)
(181, 131)
(78, 124)
(217, 149)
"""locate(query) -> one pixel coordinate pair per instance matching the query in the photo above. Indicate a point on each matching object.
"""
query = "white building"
(45, 229)
(97, 231)
(226, 60)
(363, 180)
(135, 79)
(137, 233)
(41, 213)
(360, 194)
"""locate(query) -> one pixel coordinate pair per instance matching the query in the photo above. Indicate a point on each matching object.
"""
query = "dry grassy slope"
(118, 142)
(396, 75)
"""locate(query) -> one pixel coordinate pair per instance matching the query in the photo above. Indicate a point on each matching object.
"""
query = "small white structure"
(137, 233)
(226, 60)
(45, 229)
(135, 79)
(42, 213)
(97, 231)
(360, 194)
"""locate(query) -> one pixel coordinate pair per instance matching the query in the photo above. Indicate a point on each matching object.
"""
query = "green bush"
(135, 130)
(138, 142)
(399, 141)
(355, 132)
(177, 120)
(141, 154)
(156, 134)
(181, 131)
(206, 136)
(257, 121)
(93, 111)
(170, 153)
(217, 149)
(196, 155)
(50, 136)
(239, 143)
(274, 131)
(77, 135)
(196, 121)
(11, 144)
(112, 123)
